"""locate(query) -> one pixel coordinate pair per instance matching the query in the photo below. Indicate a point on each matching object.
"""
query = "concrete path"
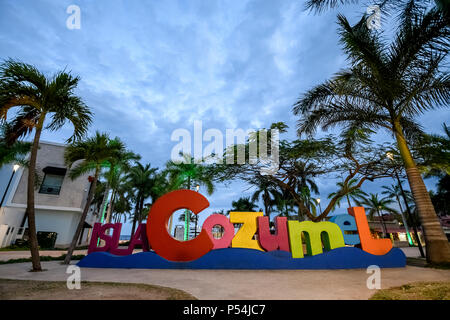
(242, 284)
(412, 252)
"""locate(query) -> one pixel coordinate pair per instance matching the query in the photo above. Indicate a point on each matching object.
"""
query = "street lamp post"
(320, 208)
(408, 211)
(15, 168)
(197, 187)
(187, 214)
(419, 244)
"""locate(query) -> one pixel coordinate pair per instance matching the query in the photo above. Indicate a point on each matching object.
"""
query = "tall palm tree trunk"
(111, 206)
(135, 217)
(30, 213)
(414, 225)
(382, 223)
(83, 217)
(141, 209)
(437, 245)
(348, 200)
(266, 208)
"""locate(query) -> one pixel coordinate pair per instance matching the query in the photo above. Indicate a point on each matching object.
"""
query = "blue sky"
(150, 67)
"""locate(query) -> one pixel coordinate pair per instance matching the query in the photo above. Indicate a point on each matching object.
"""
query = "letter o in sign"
(219, 219)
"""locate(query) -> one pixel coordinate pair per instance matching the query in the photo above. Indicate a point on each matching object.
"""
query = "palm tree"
(304, 176)
(387, 86)
(185, 174)
(311, 203)
(243, 204)
(284, 204)
(375, 205)
(121, 206)
(319, 5)
(394, 191)
(433, 150)
(188, 173)
(301, 179)
(38, 99)
(268, 191)
(114, 177)
(91, 154)
(13, 152)
(348, 192)
(141, 179)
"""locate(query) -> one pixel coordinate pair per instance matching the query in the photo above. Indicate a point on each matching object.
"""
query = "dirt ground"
(57, 290)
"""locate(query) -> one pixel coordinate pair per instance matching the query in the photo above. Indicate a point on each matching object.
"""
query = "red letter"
(374, 246)
(278, 241)
(161, 241)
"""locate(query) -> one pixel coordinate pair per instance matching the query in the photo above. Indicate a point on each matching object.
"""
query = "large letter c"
(158, 217)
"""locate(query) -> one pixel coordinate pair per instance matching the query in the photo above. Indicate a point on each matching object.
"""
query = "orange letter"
(161, 241)
(374, 246)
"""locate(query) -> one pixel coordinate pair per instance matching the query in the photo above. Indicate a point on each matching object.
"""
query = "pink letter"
(221, 220)
(139, 237)
(111, 242)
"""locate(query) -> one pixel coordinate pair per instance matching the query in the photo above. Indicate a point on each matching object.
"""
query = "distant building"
(59, 201)
(178, 232)
(394, 229)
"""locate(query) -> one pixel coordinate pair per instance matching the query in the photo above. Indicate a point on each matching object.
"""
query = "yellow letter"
(243, 238)
(333, 237)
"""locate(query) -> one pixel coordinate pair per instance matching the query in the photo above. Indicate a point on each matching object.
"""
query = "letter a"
(74, 20)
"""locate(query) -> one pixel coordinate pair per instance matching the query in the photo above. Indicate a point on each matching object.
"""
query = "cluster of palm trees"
(387, 85)
(277, 202)
(48, 103)
(127, 182)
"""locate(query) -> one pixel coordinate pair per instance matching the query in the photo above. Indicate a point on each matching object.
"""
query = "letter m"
(315, 234)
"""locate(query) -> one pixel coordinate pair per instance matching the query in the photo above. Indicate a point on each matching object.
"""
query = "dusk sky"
(148, 68)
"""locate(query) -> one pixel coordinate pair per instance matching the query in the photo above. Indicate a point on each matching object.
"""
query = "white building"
(59, 201)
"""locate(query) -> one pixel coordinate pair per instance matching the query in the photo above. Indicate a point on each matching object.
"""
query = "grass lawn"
(416, 291)
(57, 290)
(43, 258)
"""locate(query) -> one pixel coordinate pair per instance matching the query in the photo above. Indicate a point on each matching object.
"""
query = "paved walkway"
(235, 284)
(242, 284)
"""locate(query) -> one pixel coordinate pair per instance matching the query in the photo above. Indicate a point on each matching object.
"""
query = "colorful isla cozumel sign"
(344, 242)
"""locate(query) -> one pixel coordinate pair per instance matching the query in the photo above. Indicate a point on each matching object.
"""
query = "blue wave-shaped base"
(240, 258)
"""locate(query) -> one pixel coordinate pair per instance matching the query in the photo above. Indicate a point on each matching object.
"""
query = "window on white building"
(53, 180)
